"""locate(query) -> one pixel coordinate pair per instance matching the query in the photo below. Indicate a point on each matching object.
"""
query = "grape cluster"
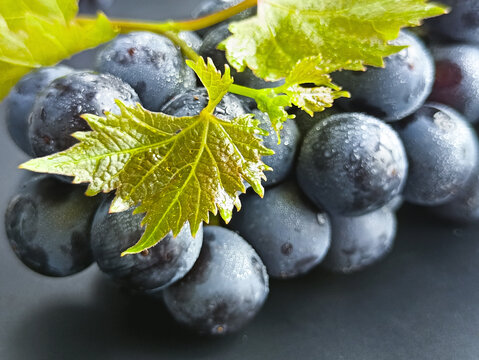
(338, 177)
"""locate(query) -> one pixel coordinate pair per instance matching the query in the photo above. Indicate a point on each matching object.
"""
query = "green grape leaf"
(35, 33)
(176, 169)
(349, 33)
(318, 95)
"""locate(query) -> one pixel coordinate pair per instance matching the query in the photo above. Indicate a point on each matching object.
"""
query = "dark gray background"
(421, 302)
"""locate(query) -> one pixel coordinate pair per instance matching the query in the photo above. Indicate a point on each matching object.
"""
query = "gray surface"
(421, 302)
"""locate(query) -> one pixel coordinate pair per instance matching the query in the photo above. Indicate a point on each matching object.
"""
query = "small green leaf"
(35, 33)
(176, 169)
(350, 33)
(319, 93)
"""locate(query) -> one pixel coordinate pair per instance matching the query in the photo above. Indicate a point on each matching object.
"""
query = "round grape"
(395, 91)
(48, 226)
(289, 234)
(351, 164)
(150, 63)
(19, 102)
(225, 289)
(357, 242)
(442, 150)
(57, 110)
(456, 84)
(151, 270)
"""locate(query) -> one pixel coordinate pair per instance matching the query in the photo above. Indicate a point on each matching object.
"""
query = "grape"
(151, 270)
(461, 24)
(360, 241)
(93, 6)
(395, 91)
(56, 111)
(351, 163)
(283, 159)
(305, 122)
(225, 289)
(245, 78)
(464, 208)
(150, 63)
(191, 102)
(19, 102)
(456, 84)
(442, 151)
(208, 7)
(289, 234)
(48, 226)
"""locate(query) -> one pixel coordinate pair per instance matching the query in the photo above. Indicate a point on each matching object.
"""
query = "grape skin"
(48, 226)
(151, 270)
(442, 151)
(150, 63)
(282, 161)
(225, 289)
(57, 109)
(461, 24)
(360, 241)
(456, 85)
(289, 234)
(351, 164)
(464, 208)
(393, 92)
(19, 102)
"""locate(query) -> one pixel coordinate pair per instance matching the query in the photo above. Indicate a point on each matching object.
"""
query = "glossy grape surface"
(286, 230)
(225, 289)
(150, 63)
(48, 225)
(351, 164)
(19, 102)
(360, 241)
(150, 270)
(57, 110)
(442, 150)
(393, 92)
(457, 74)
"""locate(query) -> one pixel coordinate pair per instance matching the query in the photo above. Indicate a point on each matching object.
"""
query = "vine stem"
(127, 25)
(171, 28)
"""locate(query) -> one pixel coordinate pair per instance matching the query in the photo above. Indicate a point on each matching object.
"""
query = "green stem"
(243, 91)
(126, 25)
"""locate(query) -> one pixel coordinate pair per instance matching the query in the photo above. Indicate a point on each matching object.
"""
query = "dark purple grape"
(442, 151)
(57, 109)
(288, 232)
(457, 73)
(150, 63)
(360, 241)
(284, 153)
(151, 270)
(461, 24)
(395, 91)
(48, 226)
(19, 102)
(351, 164)
(225, 289)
